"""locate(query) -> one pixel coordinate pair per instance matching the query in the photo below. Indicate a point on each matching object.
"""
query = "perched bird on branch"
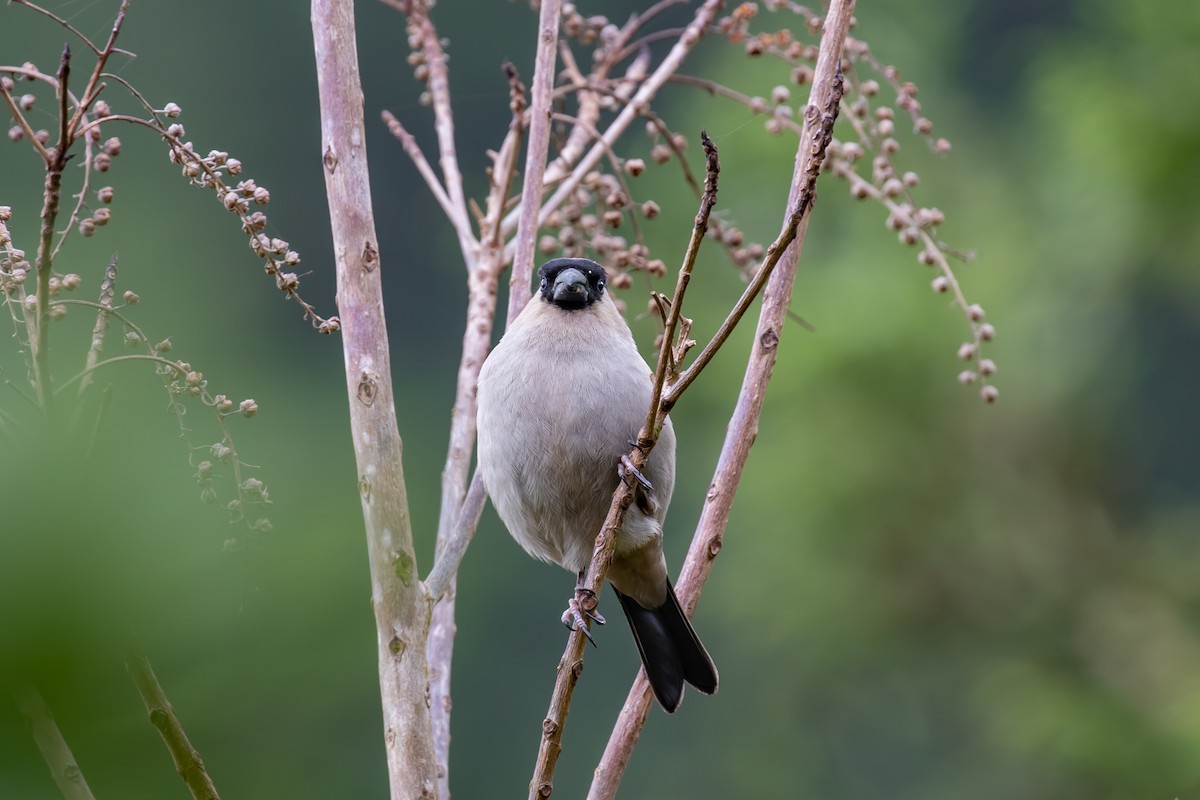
(561, 400)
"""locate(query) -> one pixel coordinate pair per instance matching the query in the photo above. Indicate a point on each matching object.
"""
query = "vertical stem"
(535, 156)
(51, 198)
(398, 598)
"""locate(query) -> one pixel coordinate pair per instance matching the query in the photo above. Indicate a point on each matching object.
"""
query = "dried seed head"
(26, 101)
(16, 133)
(102, 162)
(989, 393)
(987, 367)
(101, 108)
(869, 88)
(112, 146)
(942, 145)
(548, 244)
(928, 257)
(892, 187)
(612, 219)
(331, 325)
(101, 216)
(909, 235)
(780, 95)
(248, 408)
(940, 284)
(975, 312)
(163, 347)
(966, 351)
(987, 332)
(635, 167)
(71, 281)
(967, 377)
(105, 194)
(234, 166)
(87, 227)
(57, 311)
(172, 110)
(650, 209)
(131, 297)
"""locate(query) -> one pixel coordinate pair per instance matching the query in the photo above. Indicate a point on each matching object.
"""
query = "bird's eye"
(544, 283)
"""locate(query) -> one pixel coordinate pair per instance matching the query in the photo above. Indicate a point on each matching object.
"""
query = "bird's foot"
(578, 616)
(626, 470)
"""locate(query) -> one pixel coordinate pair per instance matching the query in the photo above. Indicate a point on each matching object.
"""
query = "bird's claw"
(576, 617)
(626, 470)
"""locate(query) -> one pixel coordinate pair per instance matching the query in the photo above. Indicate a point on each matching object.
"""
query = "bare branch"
(587, 594)
(450, 556)
(456, 520)
(647, 91)
(535, 157)
(107, 290)
(409, 143)
(187, 759)
(439, 90)
(399, 601)
(53, 746)
(707, 542)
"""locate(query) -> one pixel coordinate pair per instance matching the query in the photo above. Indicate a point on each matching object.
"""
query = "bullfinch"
(562, 398)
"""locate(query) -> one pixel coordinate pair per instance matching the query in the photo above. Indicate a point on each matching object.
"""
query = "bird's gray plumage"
(560, 399)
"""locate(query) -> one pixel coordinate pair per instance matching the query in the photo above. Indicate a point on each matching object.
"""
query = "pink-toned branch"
(571, 664)
(439, 91)
(397, 596)
(535, 156)
(708, 540)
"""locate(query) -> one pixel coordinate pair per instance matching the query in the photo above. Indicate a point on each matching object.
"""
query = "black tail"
(670, 650)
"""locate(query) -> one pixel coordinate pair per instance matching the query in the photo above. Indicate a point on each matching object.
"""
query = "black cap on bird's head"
(572, 283)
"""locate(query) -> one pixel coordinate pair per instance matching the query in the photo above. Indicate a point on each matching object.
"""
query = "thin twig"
(535, 156)
(107, 290)
(571, 664)
(95, 50)
(822, 110)
(53, 746)
(667, 358)
(456, 546)
(443, 114)
(51, 197)
(93, 89)
(187, 759)
(409, 143)
(24, 123)
(649, 88)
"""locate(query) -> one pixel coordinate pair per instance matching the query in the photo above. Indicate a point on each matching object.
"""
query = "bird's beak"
(571, 287)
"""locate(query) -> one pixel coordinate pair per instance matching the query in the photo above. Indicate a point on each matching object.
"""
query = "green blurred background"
(920, 596)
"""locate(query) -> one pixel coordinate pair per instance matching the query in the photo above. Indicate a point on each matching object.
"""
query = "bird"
(561, 399)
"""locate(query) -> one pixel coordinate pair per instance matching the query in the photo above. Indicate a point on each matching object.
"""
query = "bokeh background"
(920, 596)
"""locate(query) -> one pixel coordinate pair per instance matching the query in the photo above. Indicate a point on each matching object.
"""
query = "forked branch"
(820, 114)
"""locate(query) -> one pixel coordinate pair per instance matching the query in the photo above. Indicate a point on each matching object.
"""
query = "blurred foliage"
(920, 595)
